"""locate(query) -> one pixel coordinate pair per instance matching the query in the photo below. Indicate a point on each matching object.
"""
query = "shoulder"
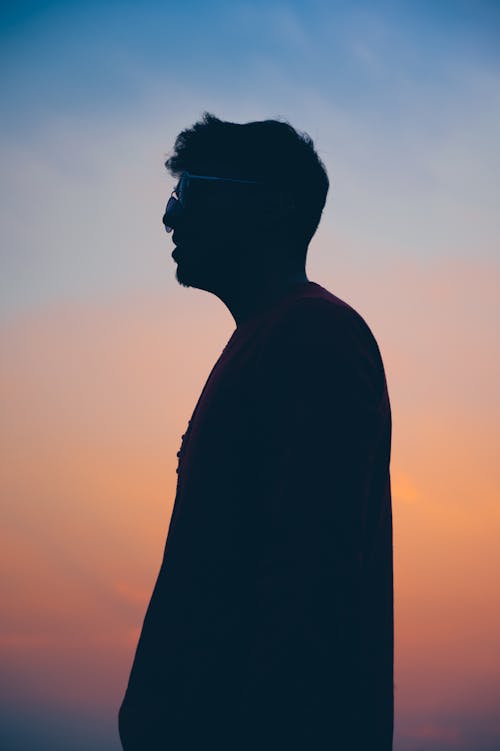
(318, 323)
(322, 342)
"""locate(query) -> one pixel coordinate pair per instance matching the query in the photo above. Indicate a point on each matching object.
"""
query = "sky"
(104, 353)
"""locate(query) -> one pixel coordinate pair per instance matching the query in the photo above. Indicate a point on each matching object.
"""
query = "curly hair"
(271, 151)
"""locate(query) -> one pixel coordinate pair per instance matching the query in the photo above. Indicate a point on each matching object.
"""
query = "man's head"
(260, 219)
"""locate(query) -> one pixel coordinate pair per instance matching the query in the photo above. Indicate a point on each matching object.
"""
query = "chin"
(184, 277)
(181, 279)
(187, 278)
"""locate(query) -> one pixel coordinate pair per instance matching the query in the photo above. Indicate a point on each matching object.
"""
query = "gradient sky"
(104, 354)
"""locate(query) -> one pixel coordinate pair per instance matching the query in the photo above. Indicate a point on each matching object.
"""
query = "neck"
(248, 297)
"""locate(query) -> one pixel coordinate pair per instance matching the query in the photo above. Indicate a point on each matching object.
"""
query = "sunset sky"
(104, 354)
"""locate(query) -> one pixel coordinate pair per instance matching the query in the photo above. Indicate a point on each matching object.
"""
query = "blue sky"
(95, 56)
(401, 99)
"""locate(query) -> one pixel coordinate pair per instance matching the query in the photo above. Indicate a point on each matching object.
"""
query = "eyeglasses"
(190, 188)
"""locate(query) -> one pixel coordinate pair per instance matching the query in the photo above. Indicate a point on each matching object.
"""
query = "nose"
(168, 228)
(173, 213)
(167, 217)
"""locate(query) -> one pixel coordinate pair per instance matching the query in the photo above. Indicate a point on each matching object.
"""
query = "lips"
(176, 243)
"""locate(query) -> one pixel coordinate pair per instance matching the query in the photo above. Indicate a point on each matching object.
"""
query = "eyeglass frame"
(176, 198)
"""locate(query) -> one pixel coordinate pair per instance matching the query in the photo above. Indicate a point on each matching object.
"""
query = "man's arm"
(319, 411)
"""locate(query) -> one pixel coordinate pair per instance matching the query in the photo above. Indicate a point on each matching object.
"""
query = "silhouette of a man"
(271, 622)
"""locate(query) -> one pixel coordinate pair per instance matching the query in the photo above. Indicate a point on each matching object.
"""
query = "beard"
(206, 266)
